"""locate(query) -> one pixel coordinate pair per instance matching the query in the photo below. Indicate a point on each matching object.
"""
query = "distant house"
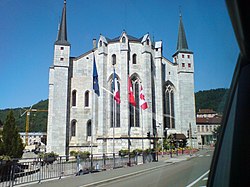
(34, 137)
(207, 121)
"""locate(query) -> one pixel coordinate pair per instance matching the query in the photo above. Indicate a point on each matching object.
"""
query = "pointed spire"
(182, 41)
(62, 33)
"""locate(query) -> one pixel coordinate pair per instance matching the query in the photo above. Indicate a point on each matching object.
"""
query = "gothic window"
(189, 65)
(114, 107)
(86, 99)
(100, 44)
(147, 41)
(73, 128)
(123, 39)
(113, 59)
(74, 98)
(134, 58)
(89, 128)
(135, 110)
(168, 107)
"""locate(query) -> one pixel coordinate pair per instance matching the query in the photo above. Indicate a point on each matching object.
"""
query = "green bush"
(123, 152)
(82, 155)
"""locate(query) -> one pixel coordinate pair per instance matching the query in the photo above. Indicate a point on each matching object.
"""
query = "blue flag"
(95, 80)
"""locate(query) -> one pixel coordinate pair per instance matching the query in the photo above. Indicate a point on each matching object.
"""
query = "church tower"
(59, 102)
(183, 57)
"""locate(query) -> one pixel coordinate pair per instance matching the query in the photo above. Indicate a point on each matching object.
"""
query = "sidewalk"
(98, 178)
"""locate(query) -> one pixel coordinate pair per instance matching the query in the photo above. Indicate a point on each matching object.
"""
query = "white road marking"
(193, 183)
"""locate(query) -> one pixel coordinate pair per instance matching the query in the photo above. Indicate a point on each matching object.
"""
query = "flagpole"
(142, 143)
(114, 118)
(92, 120)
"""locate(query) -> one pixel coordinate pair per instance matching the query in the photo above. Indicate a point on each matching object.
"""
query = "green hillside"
(38, 120)
(213, 99)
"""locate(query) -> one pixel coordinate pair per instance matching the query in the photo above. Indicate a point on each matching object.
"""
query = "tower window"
(183, 56)
(73, 128)
(123, 39)
(134, 58)
(113, 59)
(100, 44)
(74, 98)
(188, 56)
(189, 65)
(183, 65)
(61, 59)
(89, 128)
(147, 41)
(156, 49)
(62, 48)
(86, 97)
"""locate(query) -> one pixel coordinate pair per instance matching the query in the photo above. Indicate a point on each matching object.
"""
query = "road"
(178, 174)
(166, 172)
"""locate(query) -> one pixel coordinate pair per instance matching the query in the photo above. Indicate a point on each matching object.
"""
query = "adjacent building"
(79, 119)
(207, 122)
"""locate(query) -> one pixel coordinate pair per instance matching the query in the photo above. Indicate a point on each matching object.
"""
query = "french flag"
(116, 89)
(143, 103)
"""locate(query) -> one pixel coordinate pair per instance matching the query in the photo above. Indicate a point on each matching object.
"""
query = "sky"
(28, 30)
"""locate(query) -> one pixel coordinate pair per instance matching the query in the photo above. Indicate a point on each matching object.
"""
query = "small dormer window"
(123, 39)
(113, 59)
(100, 43)
(147, 41)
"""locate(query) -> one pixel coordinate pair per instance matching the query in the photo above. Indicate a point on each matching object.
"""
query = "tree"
(11, 143)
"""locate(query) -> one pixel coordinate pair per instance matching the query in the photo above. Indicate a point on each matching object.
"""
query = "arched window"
(100, 43)
(73, 128)
(168, 107)
(74, 98)
(86, 99)
(114, 108)
(123, 39)
(134, 58)
(135, 111)
(147, 41)
(89, 128)
(113, 59)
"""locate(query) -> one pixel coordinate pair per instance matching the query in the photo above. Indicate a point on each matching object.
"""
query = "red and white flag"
(130, 93)
(116, 89)
(143, 103)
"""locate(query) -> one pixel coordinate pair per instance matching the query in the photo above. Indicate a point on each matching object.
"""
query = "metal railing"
(36, 169)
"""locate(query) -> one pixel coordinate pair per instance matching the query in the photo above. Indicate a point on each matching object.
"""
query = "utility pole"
(190, 139)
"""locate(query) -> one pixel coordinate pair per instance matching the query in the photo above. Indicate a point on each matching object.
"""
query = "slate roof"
(62, 33)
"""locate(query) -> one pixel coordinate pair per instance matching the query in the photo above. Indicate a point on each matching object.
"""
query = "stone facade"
(80, 120)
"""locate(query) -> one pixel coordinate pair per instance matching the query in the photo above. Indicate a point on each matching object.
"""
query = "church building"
(83, 118)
